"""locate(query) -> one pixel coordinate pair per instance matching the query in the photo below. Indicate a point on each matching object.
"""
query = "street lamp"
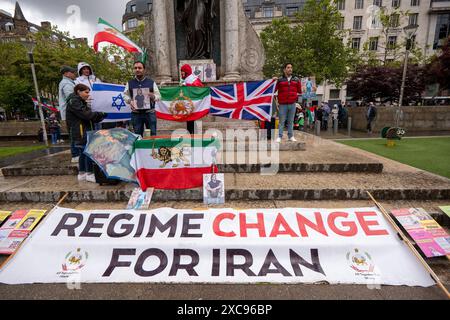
(409, 31)
(29, 44)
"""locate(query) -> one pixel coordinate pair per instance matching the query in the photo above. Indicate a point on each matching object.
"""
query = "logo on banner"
(182, 107)
(118, 102)
(361, 262)
(75, 260)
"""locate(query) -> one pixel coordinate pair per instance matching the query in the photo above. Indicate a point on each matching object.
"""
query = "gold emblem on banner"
(182, 107)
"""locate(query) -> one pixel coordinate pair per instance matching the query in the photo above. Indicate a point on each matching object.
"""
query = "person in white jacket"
(86, 75)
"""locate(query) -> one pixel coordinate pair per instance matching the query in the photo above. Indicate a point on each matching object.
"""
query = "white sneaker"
(278, 140)
(90, 177)
(75, 160)
(82, 176)
(293, 139)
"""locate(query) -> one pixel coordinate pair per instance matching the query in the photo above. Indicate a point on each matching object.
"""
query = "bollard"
(349, 126)
(330, 123)
(317, 128)
(335, 126)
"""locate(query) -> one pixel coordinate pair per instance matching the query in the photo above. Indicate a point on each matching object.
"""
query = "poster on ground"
(431, 238)
(4, 215)
(140, 200)
(17, 229)
(291, 245)
(214, 188)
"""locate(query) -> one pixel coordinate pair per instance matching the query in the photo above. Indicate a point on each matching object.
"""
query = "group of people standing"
(75, 108)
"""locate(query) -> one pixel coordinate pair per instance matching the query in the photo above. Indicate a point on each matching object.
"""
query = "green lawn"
(430, 154)
(12, 151)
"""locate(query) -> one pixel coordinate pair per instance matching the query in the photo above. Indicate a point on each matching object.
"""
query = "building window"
(341, 24)
(248, 13)
(378, 3)
(359, 4)
(392, 42)
(356, 42)
(442, 30)
(132, 23)
(290, 11)
(340, 4)
(395, 3)
(394, 20)
(415, 3)
(357, 22)
(9, 26)
(413, 18)
(133, 8)
(373, 44)
(267, 12)
(335, 94)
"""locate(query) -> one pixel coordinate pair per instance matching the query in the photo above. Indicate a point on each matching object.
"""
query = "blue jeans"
(287, 113)
(85, 163)
(54, 137)
(139, 120)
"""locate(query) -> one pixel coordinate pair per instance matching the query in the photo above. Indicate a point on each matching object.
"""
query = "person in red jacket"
(289, 87)
(190, 80)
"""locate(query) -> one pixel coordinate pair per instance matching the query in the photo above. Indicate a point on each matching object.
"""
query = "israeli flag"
(109, 98)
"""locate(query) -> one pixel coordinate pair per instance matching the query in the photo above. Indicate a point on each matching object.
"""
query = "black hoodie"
(80, 119)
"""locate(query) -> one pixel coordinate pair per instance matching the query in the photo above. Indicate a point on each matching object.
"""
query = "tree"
(51, 52)
(384, 83)
(312, 41)
(15, 95)
(439, 69)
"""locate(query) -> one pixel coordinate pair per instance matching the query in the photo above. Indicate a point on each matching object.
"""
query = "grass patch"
(12, 151)
(430, 154)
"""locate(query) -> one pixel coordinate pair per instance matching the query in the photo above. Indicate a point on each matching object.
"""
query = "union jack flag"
(245, 101)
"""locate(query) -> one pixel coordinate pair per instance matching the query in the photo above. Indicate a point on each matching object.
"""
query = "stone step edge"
(231, 194)
(13, 171)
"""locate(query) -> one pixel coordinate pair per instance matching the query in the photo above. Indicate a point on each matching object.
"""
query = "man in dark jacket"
(289, 88)
(80, 120)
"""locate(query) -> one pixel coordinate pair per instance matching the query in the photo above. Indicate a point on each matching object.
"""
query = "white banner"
(351, 246)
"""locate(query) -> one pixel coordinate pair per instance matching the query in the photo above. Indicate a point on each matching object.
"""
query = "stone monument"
(217, 30)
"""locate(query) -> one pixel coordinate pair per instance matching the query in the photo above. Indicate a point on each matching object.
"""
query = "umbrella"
(111, 150)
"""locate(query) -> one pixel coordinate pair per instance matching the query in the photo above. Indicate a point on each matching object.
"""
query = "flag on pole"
(44, 105)
(109, 98)
(245, 101)
(174, 163)
(183, 104)
(108, 33)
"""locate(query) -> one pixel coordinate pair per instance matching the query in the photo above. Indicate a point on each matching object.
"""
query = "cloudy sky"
(79, 17)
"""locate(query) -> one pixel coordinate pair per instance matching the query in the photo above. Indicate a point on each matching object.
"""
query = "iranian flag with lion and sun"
(183, 104)
(174, 162)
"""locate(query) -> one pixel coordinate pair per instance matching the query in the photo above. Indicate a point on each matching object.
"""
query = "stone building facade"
(136, 12)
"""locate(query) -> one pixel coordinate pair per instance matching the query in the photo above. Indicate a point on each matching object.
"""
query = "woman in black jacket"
(80, 120)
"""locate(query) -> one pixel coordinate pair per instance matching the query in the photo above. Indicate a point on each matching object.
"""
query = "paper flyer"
(4, 215)
(431, 238)
(17, 229)
(140, 200)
